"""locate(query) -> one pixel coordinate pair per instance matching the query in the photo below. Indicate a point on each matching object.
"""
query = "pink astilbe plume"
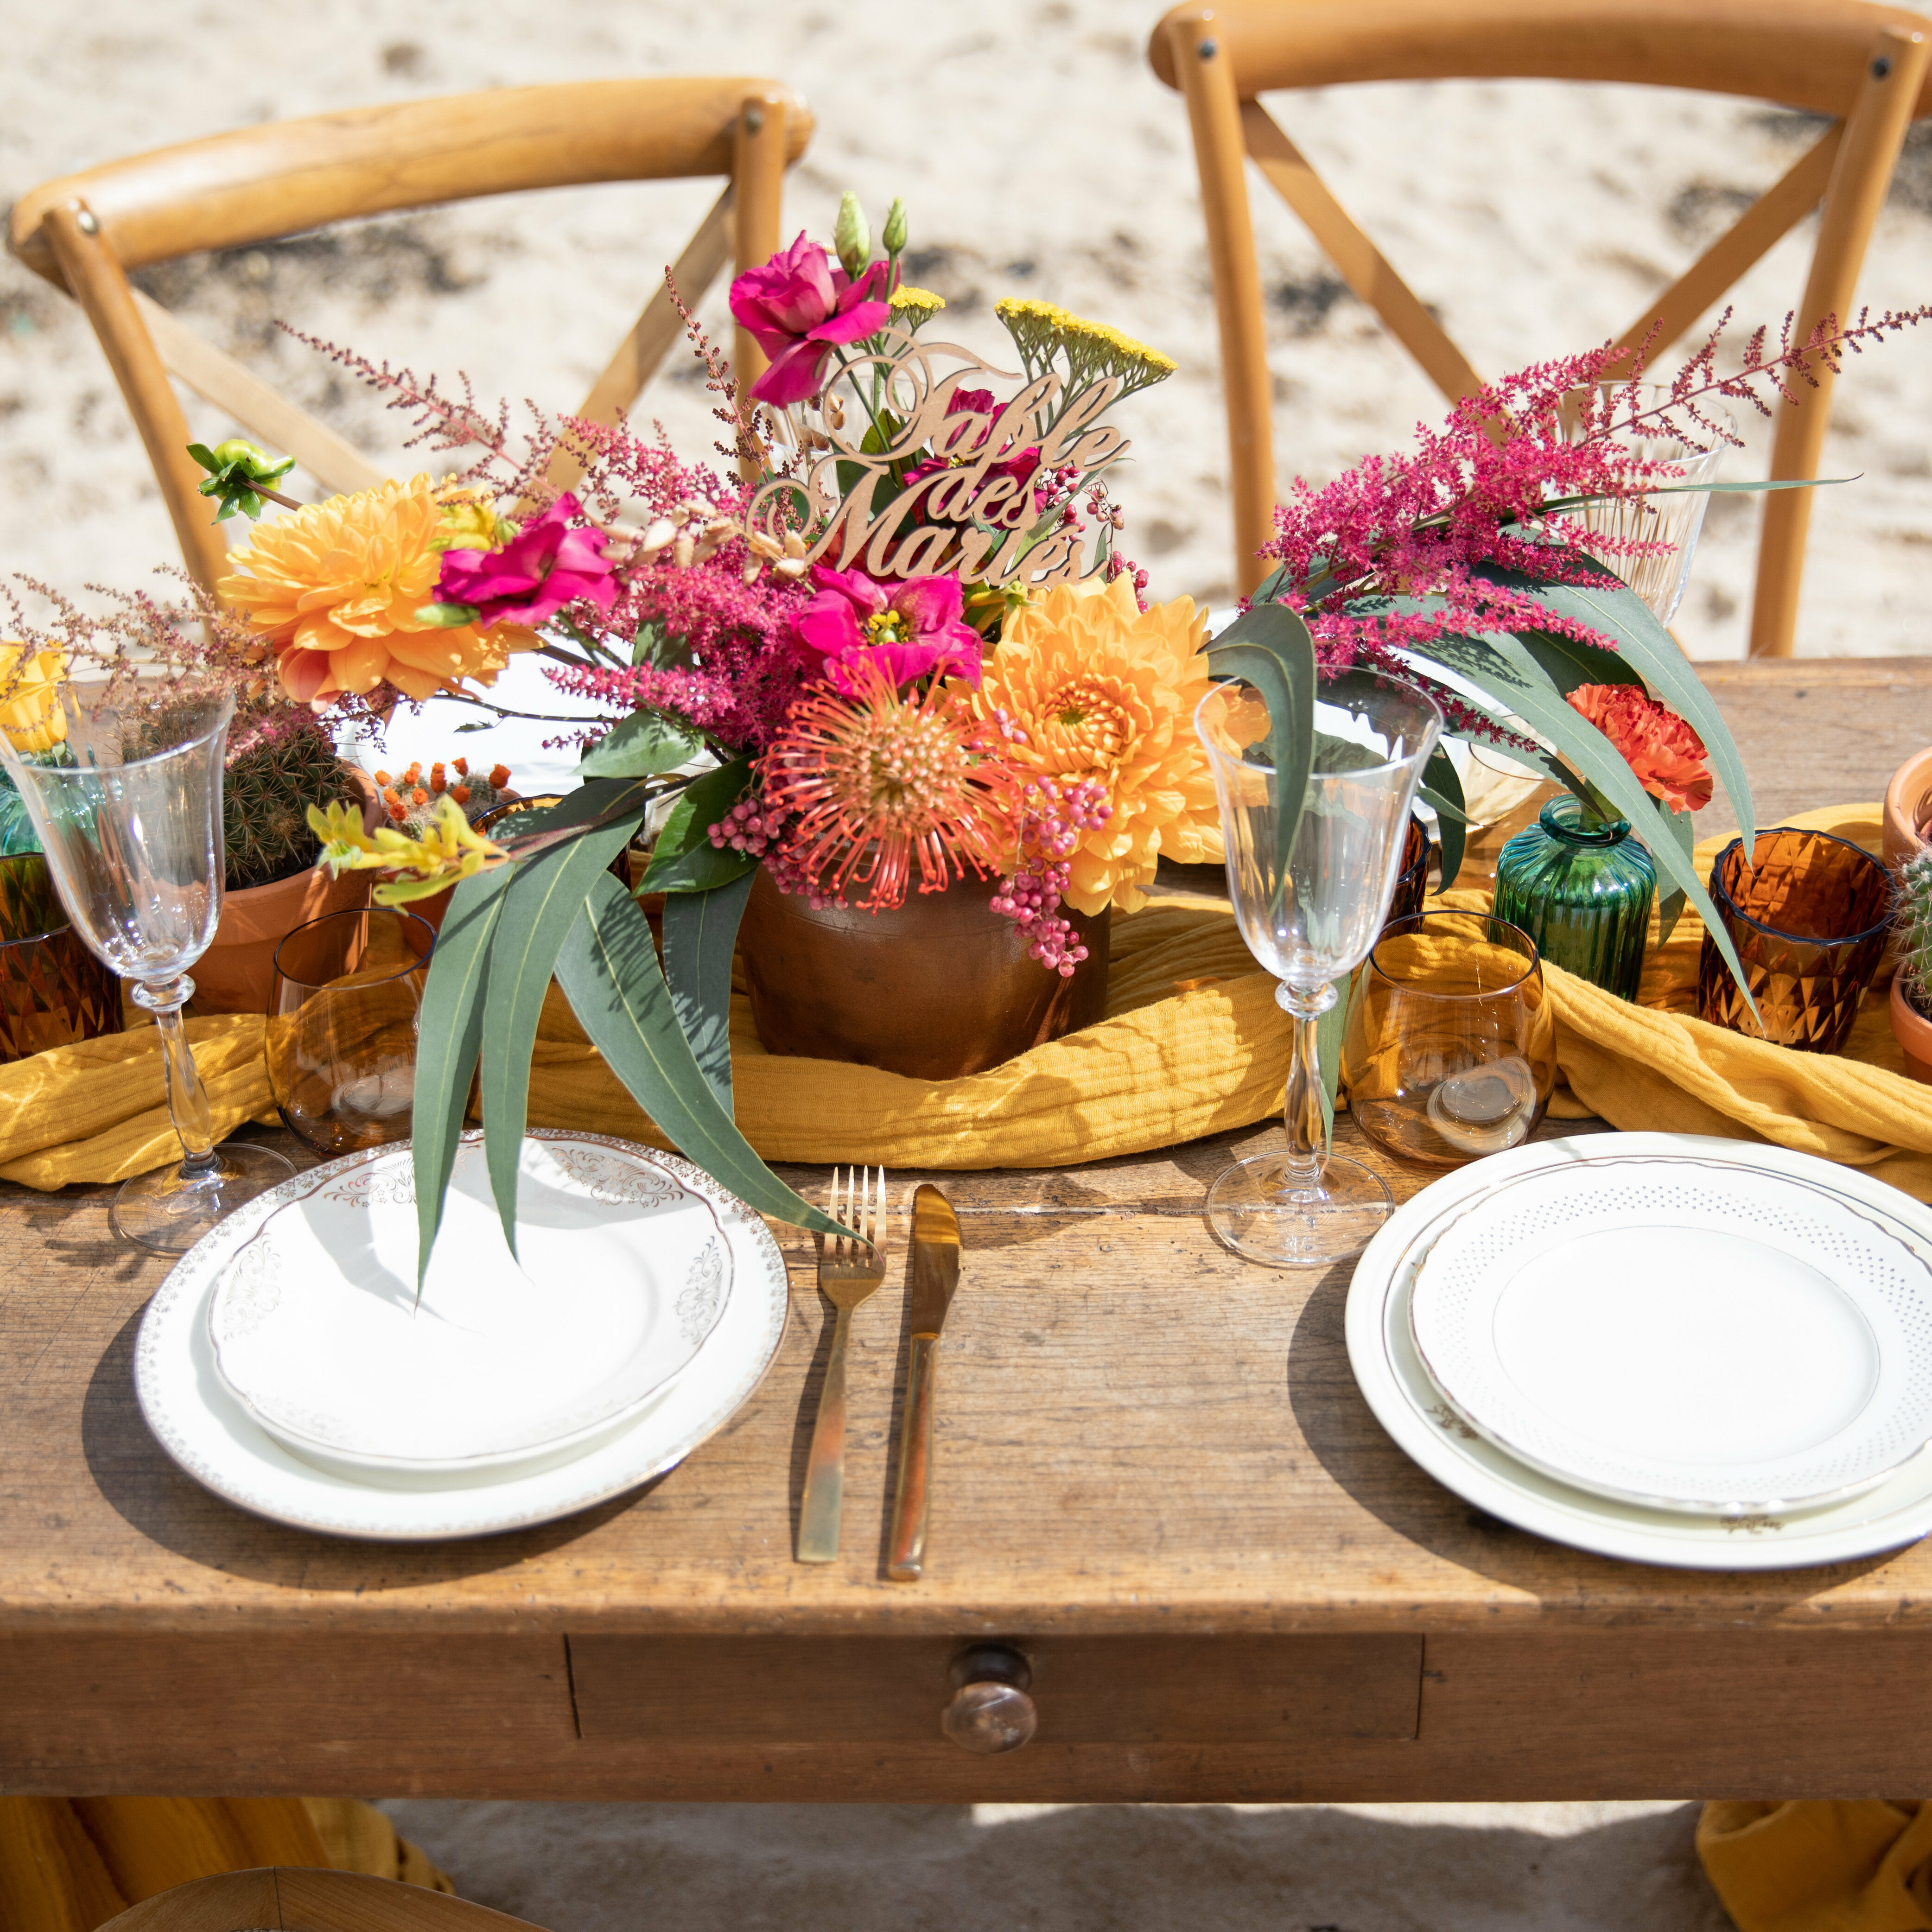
(1402, 552)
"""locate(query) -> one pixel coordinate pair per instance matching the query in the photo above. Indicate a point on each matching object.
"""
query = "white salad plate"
(620, 1272)
(215, 1437)
(1726, 1340)
(1410, 1406)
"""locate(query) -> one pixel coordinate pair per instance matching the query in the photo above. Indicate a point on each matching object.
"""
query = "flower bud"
(851, 236)
(894, 239)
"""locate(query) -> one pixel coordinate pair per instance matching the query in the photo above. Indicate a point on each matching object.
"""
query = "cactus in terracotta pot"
(1913, 924)
(409, 798)
(267, 790)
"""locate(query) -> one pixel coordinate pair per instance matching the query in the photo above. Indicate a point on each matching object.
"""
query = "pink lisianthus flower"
(796, 308)
(546, 565)
(907, 630)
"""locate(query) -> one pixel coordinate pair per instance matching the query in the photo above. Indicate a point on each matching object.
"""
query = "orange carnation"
(335, 589)
(1665, 754)
(1102, 690)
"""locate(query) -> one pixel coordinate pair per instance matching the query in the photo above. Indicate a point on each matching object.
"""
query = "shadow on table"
(869, 1868)
(137, 1477)
(1353, 1447)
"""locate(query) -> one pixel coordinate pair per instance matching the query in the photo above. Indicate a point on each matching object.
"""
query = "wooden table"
(1155, 1476)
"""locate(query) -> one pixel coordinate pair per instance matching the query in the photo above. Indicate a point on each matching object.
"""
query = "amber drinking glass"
(1412, 884)
(1450, 1052)
(1809, 917)
(342, 1027)
(53, 990)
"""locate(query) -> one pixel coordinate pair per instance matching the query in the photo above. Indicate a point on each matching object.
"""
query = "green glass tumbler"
(1581, 886)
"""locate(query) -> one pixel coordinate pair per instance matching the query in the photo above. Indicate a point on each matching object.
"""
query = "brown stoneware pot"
(237, 973)
(1913, 1032)
(1908, 808)
(941, 988)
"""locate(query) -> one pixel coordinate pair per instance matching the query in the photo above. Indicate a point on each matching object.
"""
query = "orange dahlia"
(1097, 689)
(335, 589)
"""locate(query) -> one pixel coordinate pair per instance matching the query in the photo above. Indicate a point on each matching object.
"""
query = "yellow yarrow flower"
(1094, 350)
(30, 706)
(335, 589)
(915, 307)
(450, 849)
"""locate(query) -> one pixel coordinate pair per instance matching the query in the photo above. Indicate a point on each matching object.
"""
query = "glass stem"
(187, 1098)
(1308, 1139)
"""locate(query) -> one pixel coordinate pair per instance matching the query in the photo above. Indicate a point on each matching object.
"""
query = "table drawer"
(1123, 1690)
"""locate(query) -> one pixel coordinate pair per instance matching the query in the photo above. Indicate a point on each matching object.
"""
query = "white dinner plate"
(1407, 1403)
(621, 1271)
(1721, 1340)
(214, 1437)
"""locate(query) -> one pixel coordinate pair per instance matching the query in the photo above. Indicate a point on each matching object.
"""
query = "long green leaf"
(609, 971)
(1444, 789)
(1648, 648)
(1269, 646)
(642, 745)
(701, 932)
(597, 802)
(535, 910)
(1505, 669)
(684, 860)
(1679, 826)
(449, 1031)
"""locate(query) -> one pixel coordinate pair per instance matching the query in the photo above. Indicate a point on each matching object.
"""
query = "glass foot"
(1258, 1210)
(170, 1211)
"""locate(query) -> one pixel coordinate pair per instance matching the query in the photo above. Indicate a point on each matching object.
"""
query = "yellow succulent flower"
(335, 589)
(30, 706)
(1099, 689)
(449, 849)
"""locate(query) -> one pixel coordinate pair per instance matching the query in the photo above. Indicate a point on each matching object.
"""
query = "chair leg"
(95, 279)
(757, 173)
(1214, 112)
(1874, 133)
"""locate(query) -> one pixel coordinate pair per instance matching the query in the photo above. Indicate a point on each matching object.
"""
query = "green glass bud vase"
(1581, 886)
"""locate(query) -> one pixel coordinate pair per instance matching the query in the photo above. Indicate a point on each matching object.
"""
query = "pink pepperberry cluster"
(747, 827)
(1051, 819)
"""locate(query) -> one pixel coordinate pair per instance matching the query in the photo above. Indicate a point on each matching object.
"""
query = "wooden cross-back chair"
(1863, 65)
(85, 232)
(285, 1898)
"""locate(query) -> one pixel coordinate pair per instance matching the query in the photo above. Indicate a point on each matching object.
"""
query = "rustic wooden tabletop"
(1155, 1478)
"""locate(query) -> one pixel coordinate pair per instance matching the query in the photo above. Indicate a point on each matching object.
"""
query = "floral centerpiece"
(899, 646)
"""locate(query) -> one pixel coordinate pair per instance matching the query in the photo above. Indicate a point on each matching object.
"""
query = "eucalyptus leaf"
(1679, 826)
(449, 1033)
(700, 933)
(1268, 645)
(536, 910)
(642, 745)
(609, 971)
(684, 860)
(1443, 789)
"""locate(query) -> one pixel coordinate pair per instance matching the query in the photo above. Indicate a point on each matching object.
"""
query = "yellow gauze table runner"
(1164, 1066)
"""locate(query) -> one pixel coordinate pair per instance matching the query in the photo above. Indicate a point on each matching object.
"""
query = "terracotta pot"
(1913, 1032)
(941, 988)
(237, 973)
(1908, 808)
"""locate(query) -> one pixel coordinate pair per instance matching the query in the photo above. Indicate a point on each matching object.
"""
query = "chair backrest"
(285, 1898)
(1864, 66)
(84, 232)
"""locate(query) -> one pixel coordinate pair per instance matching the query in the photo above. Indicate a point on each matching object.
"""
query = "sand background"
(1038, 156)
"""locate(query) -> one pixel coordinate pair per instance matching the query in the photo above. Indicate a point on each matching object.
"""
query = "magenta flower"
(546, 565)
(796, 308)
(906, 629)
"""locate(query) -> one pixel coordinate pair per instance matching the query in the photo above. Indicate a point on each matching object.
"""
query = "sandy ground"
(1038, 156)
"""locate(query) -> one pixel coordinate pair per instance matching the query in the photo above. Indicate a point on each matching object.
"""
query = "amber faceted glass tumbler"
(342, 1027)
(1450, 1051)
(1809, 917)
(53, 990)
(1411, 885)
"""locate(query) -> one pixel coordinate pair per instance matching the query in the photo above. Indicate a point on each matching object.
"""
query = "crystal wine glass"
(131, 827)
(1310, 914)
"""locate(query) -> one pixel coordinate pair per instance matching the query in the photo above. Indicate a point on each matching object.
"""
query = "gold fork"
(848, 1272)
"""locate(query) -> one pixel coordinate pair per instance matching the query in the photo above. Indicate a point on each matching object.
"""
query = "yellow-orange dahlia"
(1102, 690)
(30, 707)
(335, 589)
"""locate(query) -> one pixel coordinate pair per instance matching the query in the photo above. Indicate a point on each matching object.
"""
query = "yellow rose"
(468, 521)
(30, 706)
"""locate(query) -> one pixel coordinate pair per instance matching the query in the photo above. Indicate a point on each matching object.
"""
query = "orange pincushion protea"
(1102, 690)
(334, 588)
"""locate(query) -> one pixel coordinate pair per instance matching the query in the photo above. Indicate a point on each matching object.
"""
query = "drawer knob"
(990, 1711)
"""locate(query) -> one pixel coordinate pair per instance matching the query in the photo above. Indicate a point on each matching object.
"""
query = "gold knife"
(935, 1274)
